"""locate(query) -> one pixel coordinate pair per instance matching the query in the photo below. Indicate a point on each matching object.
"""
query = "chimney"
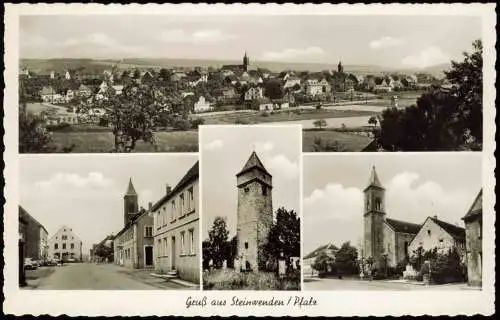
(168, 189)
(435, 216)
(150, 205)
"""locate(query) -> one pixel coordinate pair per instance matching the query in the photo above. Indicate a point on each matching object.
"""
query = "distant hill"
(98, 66)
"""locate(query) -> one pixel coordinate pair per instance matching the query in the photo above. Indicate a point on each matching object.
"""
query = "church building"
(255, 213)
(238, 67)
(390, 241)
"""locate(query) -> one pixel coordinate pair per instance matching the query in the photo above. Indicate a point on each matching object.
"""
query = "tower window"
(246, 189)
(246, 245)
(264, 190)
(428, 232)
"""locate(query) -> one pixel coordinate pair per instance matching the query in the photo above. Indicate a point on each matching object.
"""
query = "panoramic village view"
(381, 90)
(134, 246)
(397, 223)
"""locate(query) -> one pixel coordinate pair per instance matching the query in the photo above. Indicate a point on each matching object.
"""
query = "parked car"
(51, 262)
(71, 260)
(30, 264)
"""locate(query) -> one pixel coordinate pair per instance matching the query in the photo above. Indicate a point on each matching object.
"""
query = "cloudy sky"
(226, 149)
(390, 41)
(417, 186)
(85, 192)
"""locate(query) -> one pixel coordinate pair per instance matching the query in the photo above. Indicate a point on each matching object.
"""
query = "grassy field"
(341, 141)
(90, 142)
(289, 115)
(231, 280)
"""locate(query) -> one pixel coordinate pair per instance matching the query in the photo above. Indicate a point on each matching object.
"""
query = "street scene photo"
(109, 223)
(393, 222)
(250, 205)
(392, 83)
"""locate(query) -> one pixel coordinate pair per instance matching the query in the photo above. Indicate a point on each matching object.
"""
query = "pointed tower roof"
(130, 189)
(476, 208)
(374, 181)
(253, 162)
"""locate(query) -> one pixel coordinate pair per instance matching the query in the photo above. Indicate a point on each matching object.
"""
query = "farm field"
(94, 142)
(261, 117)
(346, 142)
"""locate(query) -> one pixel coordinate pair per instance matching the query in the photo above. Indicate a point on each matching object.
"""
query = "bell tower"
(255, 212)
(130, 203)
(374, 218)
(246, 62)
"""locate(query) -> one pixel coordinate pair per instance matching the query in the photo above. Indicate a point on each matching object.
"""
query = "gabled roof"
(253, 162)
(403, 226)
(374, 180)
(455, 231)
(320, 249)
(476, 207)
(190, 176)
(130, 189)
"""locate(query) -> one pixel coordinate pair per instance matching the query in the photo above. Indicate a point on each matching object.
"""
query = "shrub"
(195, 123)
(264, 114)
(241, 121)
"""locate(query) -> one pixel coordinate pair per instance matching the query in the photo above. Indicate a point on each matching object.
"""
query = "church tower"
(246, 62)
(374, 219)
(255, 212)
(130, 203)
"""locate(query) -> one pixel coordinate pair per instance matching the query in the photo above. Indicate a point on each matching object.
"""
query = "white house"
(254, 93)
(65, 245)
(202, 105)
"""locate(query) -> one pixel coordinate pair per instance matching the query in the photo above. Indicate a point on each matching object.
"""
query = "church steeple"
(246, 62)
(340, 68)
(130, 188)
(130, 203)
(374, 181)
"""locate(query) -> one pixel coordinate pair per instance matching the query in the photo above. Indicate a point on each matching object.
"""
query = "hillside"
(47, 65)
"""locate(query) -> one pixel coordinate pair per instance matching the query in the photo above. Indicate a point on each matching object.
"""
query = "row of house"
(163, 237)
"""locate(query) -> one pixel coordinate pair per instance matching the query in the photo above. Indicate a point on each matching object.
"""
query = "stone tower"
(246, 62)
(130, 203)
(255, 212)
(374, 219)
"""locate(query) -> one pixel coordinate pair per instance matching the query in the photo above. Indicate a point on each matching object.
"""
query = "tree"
(33, 136)
(373, 120)
(468, 79)
(273, 89)
(320, 145)
(440, 120)
(323, 263)
(320, 123)
(217, 240)
(345, 259)
(283, 240)
(104, 252)
(133, 115)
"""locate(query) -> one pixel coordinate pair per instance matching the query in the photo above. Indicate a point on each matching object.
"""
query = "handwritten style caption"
(291, 301)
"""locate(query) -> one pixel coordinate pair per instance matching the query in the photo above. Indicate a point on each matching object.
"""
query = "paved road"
(84, 276)
(377, 285)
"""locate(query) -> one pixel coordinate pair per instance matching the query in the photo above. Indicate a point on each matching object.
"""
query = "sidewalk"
(149, 277)
(35, 277)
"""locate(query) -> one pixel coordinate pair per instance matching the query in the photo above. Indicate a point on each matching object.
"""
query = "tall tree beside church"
(273, 89)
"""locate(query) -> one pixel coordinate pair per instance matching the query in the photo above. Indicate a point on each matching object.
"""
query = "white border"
(109, 303)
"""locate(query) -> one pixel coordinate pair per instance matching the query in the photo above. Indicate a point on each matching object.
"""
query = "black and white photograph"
(251, 207)
(405, 222)
(110, 224)
(393, 83)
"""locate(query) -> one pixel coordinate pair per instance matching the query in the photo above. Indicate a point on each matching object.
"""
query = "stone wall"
(474, 252)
